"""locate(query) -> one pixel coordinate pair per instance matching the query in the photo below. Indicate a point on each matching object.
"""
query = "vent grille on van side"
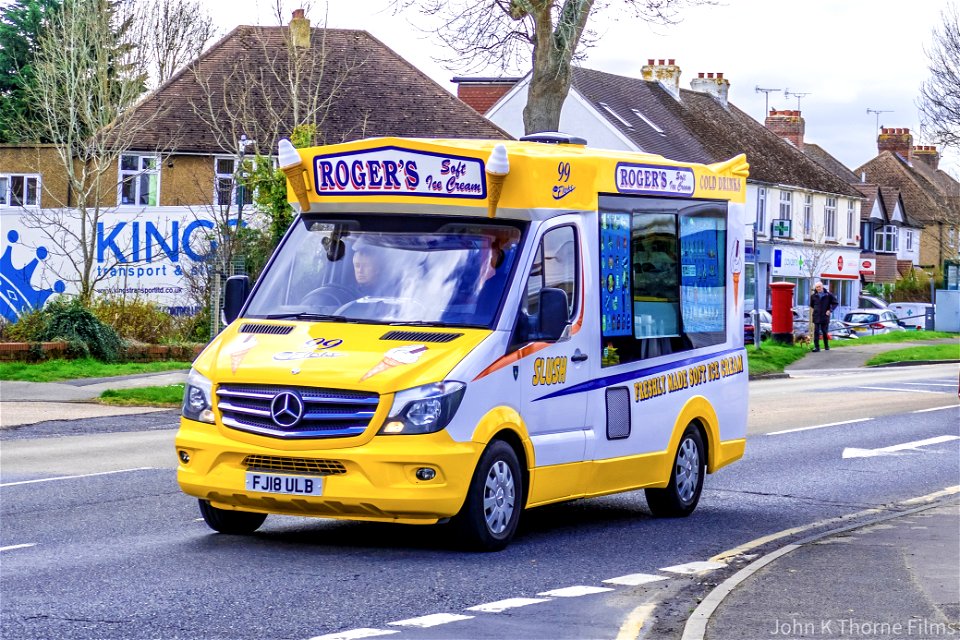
(420, 336)
(273, 329)
(618, 413)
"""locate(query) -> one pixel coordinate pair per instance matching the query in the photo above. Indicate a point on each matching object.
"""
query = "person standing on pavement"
(822, 304)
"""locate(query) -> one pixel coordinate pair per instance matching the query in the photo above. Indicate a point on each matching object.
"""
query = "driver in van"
(367, 271)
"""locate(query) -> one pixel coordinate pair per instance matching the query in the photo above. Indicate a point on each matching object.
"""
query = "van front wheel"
(491, 512)
(230, 522)
(679, 498)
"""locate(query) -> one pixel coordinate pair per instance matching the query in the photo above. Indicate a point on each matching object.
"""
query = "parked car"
(838, 330)
(869, 322)
(872, 302)
(766, 325)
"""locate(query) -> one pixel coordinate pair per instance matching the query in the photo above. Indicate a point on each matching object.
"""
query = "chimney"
(666, 72)
(300, 30)
(928, 155)
(788, 125)
(895, 140)
(483, 93)
(714, 84)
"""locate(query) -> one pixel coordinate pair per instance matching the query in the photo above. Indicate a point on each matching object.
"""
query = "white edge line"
(949, 406)
(18, 546)
(355, 634)
(574, 592)
(431, 620)
(84, 475)
(509, 603)
(635, 579)
(818, 426)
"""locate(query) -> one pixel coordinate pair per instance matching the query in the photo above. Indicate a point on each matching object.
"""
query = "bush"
(67, 319)
(31, 327)
(136, 319)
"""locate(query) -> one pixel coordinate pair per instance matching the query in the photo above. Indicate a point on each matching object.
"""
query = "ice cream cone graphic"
(498, 166)
(394, 357)
(737, 268)
(736, 285)
(292, 166)
(239, 350)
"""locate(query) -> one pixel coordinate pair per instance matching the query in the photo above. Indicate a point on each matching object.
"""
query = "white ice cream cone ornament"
(292, 165)
(498, 166)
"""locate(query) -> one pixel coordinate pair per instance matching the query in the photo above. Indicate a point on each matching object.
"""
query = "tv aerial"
(795, 94)
(878, 112)
(766, 106)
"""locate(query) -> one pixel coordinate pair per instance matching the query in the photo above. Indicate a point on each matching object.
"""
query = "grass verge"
(773, 357)
(53, 370)
(166, 396)
(912, 354)
(899, 336)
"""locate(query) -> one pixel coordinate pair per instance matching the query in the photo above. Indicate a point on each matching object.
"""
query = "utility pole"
(766, 106)
(794, 94)
(878, 112)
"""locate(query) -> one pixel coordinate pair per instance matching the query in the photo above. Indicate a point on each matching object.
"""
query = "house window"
(830, 219)
(139, 180)
(762, 211)
(648, 121)
(19, 190)
(616, 115)
(227, 191)
(851, 222)
(885, 239)
(866, 238)
(808, 215)
(909, 239)
(786, 205)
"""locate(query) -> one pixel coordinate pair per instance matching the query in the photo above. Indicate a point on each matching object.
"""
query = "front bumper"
(373, 481)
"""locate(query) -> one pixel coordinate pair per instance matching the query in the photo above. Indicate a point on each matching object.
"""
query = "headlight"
(197, 393)
(424, 409)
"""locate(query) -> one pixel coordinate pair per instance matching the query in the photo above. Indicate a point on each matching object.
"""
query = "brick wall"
(482, 96)
(896, 141)
(788, 125)
(34, 351)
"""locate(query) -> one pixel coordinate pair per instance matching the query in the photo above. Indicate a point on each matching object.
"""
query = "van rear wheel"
(679, 498)
(491, 512)
(230, 522)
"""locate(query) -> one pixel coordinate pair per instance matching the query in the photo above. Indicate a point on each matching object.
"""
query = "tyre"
(491, 511)
(679, 498)
(230, 522)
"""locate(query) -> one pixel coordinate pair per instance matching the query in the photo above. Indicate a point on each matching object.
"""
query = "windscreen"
(390, 269)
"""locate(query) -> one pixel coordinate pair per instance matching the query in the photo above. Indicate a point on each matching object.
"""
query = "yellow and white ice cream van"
(462, 329)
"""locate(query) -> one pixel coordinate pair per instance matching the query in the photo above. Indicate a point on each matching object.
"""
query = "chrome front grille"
(298, 466)
(325, 413)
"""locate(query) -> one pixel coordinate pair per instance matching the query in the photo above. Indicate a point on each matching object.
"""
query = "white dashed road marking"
(952, 406)
(904, 390)
(18, 546)
(509, 603)
(818, 426)
(85, 475)
(694, 567)
(635, 579)
(573, 592)
(432, 620)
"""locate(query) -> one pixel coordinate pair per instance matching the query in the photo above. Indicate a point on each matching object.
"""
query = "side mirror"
(553, 314)
(235, 295)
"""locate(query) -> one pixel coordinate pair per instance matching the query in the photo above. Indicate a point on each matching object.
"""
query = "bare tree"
(503, 33)
(939, 101)
(170, 33)
(87, 77)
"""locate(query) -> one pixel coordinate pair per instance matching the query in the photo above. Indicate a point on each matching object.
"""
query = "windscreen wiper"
(306, 315)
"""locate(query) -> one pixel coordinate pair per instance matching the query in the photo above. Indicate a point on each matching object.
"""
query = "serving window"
(663, 276)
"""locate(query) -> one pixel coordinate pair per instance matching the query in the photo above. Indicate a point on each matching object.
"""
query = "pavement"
(894, 577)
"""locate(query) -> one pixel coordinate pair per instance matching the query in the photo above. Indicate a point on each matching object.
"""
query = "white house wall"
(912, 255)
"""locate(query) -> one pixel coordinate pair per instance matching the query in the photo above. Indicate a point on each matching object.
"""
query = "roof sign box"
(399, 171)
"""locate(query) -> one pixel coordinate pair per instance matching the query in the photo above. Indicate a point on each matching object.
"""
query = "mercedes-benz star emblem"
(286, 409)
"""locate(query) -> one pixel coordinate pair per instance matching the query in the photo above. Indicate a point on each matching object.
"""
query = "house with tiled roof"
(807, 219)
(930, 195)
(177, 174)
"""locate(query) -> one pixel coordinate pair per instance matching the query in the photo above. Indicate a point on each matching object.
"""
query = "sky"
(847, 56)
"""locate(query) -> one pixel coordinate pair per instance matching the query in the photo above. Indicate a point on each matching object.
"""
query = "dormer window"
(885, 239)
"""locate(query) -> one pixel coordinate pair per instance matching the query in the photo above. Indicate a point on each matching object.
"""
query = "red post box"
(782, 295)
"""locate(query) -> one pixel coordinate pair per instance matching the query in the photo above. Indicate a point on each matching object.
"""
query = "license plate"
(290, 485)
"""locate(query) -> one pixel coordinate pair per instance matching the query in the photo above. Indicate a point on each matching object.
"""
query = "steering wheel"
(419, 306)
(329, 295)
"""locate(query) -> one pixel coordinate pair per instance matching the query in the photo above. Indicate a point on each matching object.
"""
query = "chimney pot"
(650, 61)
(710, 75)
(297, 13)
(701, 74)
(661, 62)
(720, 76)
(671, 61)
